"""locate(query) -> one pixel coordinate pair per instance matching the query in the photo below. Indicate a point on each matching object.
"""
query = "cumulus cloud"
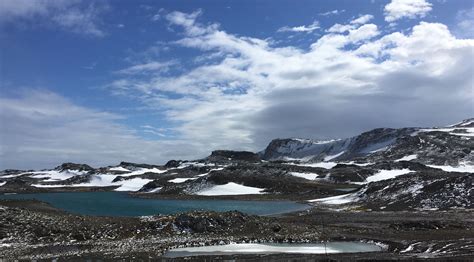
(348, 81)
(41, 129)
(340, 28)
(398, 9)
(363, 19)
(303, 28)
(69, 15)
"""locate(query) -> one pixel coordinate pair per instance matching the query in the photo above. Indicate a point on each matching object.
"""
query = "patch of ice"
(387, 174)
(336, 200)
(230, 189)
(309, 176)
(463, 167)
(319, 248)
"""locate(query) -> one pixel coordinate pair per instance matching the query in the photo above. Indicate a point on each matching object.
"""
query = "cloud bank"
(244, 91)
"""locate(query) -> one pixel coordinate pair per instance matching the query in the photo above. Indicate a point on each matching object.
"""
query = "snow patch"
(180, 180)
(309, 176)
(407, 158)
(462, 131)
(119, 168)
(2, 183)
(134, 184)
(230, 189)
(54, 175)
(387, 174)
(463, 167)
(145, 170)
(327, 165)
(327, 158)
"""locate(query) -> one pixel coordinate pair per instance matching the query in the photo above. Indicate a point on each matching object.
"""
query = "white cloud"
(69, 15)
(363, 19)
(346, 82)
(398, 9)
(46, 129)
(253, 92)
(333, 12)
(149, 67)
(354, 24)
(303, 28)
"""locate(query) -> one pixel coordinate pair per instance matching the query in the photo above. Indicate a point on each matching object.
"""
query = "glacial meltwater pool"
(121, 204)
(270, 248)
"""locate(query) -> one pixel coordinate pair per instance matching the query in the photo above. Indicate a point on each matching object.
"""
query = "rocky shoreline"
(34, 230)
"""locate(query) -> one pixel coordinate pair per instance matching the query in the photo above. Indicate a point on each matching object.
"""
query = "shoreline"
(398, 230)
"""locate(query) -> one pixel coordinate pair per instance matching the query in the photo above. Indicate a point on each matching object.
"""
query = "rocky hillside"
(385, 169)
(450, 145)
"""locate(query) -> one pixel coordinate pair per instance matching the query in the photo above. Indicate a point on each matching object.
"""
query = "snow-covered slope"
(342, 149)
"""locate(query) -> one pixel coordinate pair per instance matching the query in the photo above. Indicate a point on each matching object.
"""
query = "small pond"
(121, 204)
(271, 248)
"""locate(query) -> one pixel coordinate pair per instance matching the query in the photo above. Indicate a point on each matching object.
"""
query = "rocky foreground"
(34, 230)
(409, 189)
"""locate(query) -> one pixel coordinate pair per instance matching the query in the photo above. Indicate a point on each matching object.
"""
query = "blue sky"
(147, 81)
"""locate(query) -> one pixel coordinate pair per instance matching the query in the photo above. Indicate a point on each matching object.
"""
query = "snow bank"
(133, 184)
(463, 167)
(387, 174)
(145, 170)
(230, 189)
(106, 181)
(54, 175)
(309, 176)
(180, 180)
(119, 168)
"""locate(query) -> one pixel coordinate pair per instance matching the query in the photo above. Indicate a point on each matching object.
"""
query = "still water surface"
(121, 204)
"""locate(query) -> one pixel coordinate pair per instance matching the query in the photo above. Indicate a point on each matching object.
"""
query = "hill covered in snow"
(382, 169)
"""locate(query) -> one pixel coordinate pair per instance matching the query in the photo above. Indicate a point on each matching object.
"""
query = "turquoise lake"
(121, 204)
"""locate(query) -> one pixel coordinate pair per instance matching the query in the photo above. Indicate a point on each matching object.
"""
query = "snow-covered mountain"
(445, 145)
(391, 169)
